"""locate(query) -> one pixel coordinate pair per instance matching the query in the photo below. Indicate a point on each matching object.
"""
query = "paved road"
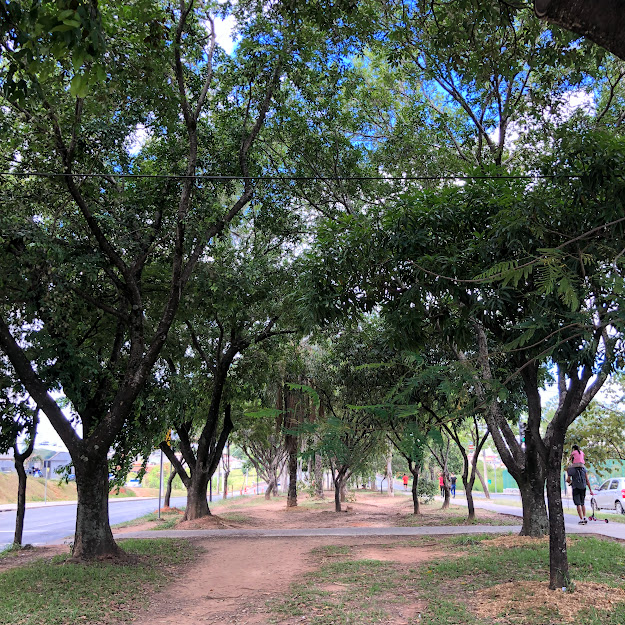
(55, 523)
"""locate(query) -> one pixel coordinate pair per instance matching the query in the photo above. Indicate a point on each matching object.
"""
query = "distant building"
(58, 460)
(7, 464)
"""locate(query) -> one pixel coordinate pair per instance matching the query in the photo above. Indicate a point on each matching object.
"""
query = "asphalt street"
(53, 523)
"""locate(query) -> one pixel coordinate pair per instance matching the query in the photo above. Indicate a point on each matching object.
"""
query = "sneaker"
(582, 522)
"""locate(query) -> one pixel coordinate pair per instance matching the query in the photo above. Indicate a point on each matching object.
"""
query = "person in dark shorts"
(577, 477)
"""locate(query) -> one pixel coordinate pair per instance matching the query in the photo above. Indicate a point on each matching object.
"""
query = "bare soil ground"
(368, 510)
(30, 554)
(234, 580)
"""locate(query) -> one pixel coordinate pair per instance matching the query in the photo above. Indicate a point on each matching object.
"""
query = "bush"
(427, 490)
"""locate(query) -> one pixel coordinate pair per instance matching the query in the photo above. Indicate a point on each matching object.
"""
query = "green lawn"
(58, 592)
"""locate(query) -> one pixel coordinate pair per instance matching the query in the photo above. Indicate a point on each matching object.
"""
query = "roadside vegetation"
(36, 490)
(57, 591)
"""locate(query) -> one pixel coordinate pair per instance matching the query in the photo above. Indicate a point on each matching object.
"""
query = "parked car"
(611, 494)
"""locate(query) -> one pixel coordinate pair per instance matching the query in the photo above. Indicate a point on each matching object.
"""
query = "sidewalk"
(601, 528)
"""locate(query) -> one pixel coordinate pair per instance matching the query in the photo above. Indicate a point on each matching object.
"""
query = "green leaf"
(79, 86)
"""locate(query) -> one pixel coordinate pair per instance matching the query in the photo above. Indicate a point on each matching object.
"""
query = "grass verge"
(169, 518)
(58, 592)
(484, 579)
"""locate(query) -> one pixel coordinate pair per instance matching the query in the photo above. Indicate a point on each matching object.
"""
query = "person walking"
(453, 485)
(577, 477)
(405, 480)
(441, 484)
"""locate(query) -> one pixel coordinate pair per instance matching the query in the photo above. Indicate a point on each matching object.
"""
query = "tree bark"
(21, 500)
(343, 490)
(197, 503)
(446, 493)
(170, 481)
(558, 559)
(535, 522)
(291, 500)
(482, 482)
(414, 470)
(601, 21)
(390, 490)
(19, 459)
(272, 485)
(226, 474)
(340, 481)
(93, 538)
(319, 476)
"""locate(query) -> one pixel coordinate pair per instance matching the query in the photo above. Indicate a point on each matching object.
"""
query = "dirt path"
(233, 579)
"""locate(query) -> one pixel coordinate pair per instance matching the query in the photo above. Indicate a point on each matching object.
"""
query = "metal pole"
(45, 487)
(160, 486)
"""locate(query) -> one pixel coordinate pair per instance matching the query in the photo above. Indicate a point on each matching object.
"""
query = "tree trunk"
(390, 490)
(602, 21)
(226, 474)
(197, 504)
(93, 538)
(558, 559)
(272, 485)
(21, 501)
(468, 490)
(170, 481)
(291, 500)
(344, 490)
(446, 494)
(535, 522)
(319, 476)
(337, 494)
(483, 483)
(415, 489)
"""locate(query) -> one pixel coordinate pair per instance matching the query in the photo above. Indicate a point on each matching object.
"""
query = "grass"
(168, 520)
(58, 592)
(445, 591)
(432, 514)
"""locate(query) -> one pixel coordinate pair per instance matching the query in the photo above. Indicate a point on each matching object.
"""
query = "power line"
(225, 178)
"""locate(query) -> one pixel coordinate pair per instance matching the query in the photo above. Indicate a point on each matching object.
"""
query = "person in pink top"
(577, 457)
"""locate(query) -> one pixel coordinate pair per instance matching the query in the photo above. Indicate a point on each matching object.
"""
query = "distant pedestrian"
(577, 458)
(405, 480)
(441, 484)
(453, 484)
(577, 477)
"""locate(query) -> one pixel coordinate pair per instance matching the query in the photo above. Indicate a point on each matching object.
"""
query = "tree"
(17, 417)
(78, 317)
(213, 343)
(410, 441)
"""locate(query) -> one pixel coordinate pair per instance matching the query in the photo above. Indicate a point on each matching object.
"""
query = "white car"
(611, 494)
